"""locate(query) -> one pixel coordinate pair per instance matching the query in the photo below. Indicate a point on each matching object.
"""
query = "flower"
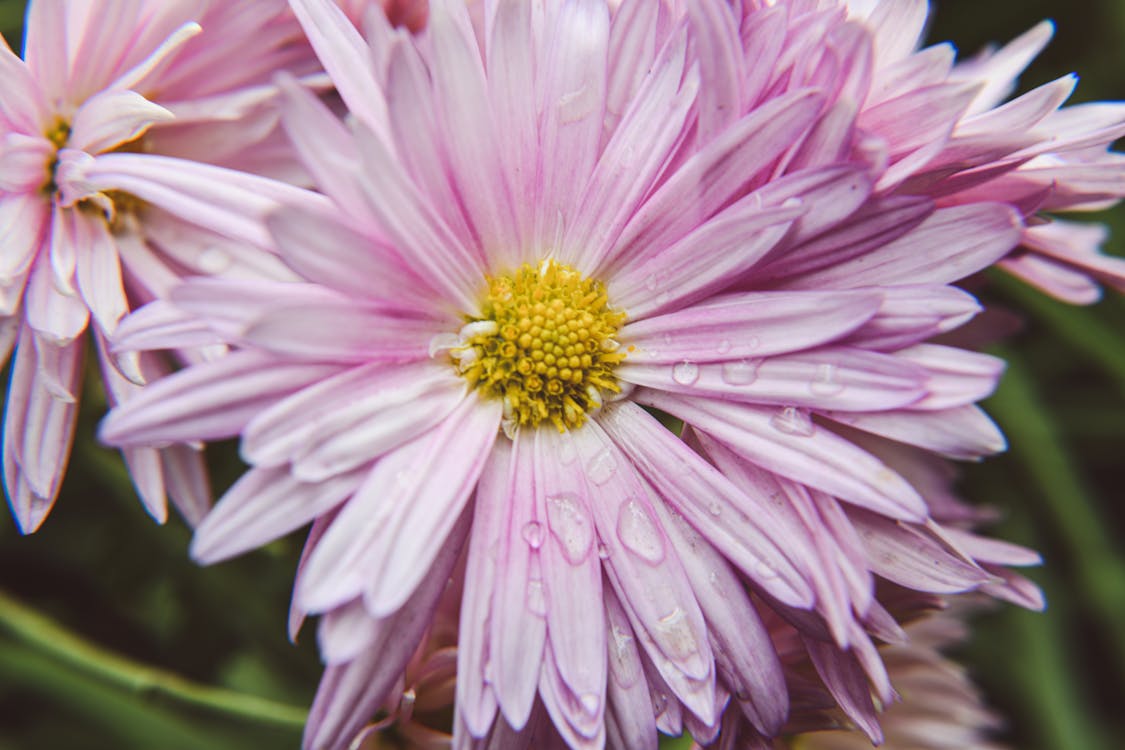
(83, 119)
(540, 255)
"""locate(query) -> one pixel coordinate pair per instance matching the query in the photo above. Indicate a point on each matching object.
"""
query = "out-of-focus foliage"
(102, 570)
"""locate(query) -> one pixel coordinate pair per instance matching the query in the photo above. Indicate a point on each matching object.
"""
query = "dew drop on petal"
(740, 372)
(213, 260)
(533, 534)
(570, 526)
(652, 282)
(536, 598)
(826, 382)
(723, 347)
(590, 703)
(714, 508)
(677, 637)
(685, 373)
(639, 533)
(601, 467)
(793, 421)
(603, 552)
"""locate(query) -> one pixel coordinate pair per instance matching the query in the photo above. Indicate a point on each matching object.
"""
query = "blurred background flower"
(109, 645)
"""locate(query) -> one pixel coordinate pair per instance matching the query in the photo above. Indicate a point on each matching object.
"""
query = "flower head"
(541, 254)
(86, 119)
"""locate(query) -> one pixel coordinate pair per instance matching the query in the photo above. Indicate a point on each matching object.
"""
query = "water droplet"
(666, 337)
(659, 703)
(714, 508)
(676, 635)
(610, 345)
(621, 640)
(603, 552)
(685, 373)
(536, 598)
(741, 372)
(590, 703)
(213, 260)
(752, 342)
(826, 382)
(793, 421)
(652, 282)
(601, 467)
(533, 534)
(723, 347)
(570, 526)
(639, 533)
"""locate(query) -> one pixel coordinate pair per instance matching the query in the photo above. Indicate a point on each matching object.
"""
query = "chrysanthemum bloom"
(946, 131)
(539, 239)
(85, 233)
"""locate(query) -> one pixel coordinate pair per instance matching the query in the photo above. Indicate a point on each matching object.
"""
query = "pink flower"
(109, 91)
(537, 250)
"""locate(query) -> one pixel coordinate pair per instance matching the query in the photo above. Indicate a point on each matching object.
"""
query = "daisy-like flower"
(106, 93)
(554, 225)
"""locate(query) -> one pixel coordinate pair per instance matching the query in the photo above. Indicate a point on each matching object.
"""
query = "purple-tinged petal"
(340, 330)
(111, 118)
(57, 316)
(629, 718)
(749, 537)
(704, 261)
(910, 314)
(572, 574)
(325, 251)
(263, 505)
(344, 55)
(785, 442)
(963, 432)
(844, 677)
(162, 325)
(638, 150)
(518, 629)
(23, 222)
(209, 401)
(824, 378)
(912, 557)
(476, 702)
(350, 694)
(648, 578)
(744, 654)
(755, 324)
(712, 176)
(579, 719)
(956, 377)
(719, 49)
(98, 272)
(25, 166)
(21, 100)
(950, 245)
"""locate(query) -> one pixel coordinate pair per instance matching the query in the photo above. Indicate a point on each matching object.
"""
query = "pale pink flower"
(109, 90)
(552, 224)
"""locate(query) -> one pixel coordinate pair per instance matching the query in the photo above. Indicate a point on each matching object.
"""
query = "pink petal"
(209, 401)
(784, 443)
(263, 505)
(344, 55)
(746, 534)
(756, 324)
(951, 244)
(110, 118)
(962, 432)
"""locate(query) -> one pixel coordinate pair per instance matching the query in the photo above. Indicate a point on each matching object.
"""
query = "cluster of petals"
(117, 114)
(778, 197)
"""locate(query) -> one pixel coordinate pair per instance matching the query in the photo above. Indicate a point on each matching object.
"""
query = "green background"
(111, 638)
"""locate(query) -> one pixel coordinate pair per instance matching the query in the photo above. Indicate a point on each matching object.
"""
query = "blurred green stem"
(47, 636)
(1072, 513)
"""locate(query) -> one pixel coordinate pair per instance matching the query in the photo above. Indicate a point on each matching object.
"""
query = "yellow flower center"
(544, 345)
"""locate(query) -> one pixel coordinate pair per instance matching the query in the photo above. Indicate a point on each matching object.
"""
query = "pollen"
(544, 345)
